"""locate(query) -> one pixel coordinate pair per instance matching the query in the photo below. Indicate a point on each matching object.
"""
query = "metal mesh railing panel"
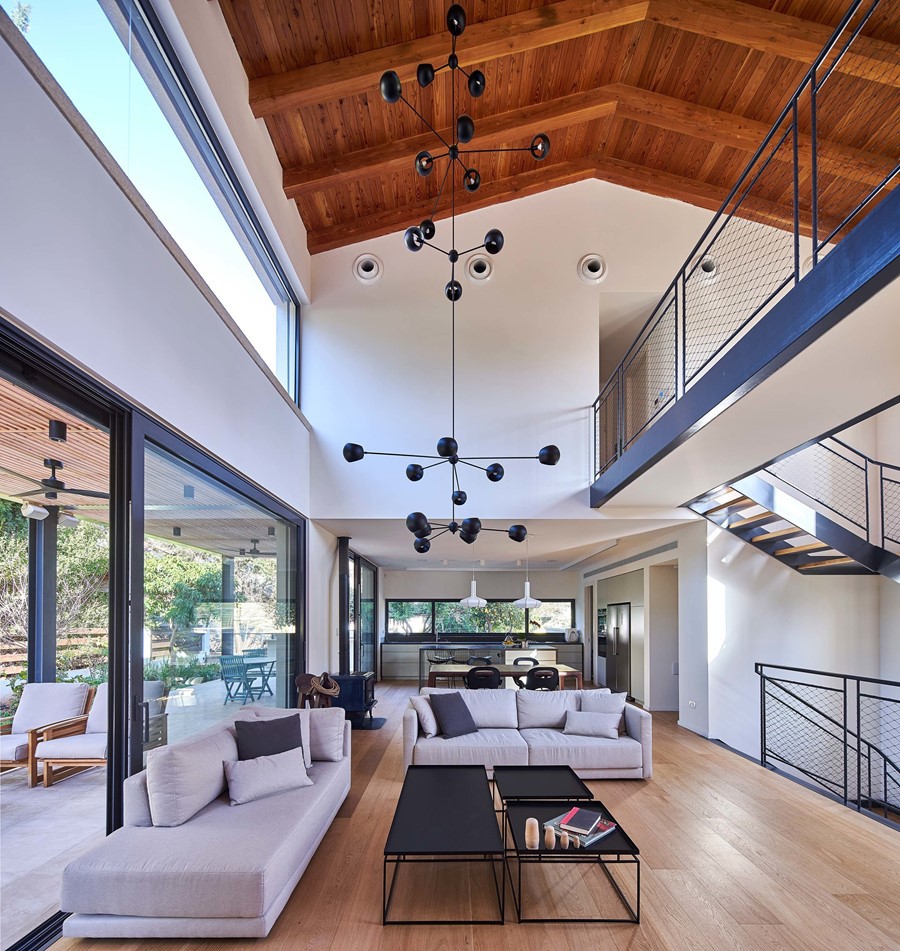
(829, 478)
(879, 724)
(648, 376)
(890, 509)
(799, 731)
(606, 425)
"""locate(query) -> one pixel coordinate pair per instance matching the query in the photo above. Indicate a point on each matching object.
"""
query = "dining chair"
(542, 678)
(523, 662)
(480, 678)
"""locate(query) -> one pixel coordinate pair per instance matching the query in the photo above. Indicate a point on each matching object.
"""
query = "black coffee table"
(444, 814)
(520, 783)
(614, 852)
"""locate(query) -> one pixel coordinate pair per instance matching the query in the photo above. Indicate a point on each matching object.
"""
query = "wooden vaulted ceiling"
(666, 96)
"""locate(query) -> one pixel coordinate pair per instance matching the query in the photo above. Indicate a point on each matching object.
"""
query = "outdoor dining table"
(458, 671)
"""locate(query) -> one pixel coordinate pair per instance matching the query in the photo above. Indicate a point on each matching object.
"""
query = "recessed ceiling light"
(592, 269)
(367, 269)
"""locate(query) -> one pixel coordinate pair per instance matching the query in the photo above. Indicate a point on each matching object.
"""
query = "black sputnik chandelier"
(420, 236)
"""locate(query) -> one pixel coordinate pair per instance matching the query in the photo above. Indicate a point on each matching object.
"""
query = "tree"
(21, 16)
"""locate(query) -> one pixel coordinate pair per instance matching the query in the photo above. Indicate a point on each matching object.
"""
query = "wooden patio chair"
(43, 706)
(234, 673)
(76, 744)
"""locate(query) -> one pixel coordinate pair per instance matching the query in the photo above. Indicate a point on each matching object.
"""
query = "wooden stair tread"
(778, 533)
(739, 502)
(798, 549)
(750, 519)
(826, 563)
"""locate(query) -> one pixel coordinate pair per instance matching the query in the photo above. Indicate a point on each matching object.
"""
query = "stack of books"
(584, 826)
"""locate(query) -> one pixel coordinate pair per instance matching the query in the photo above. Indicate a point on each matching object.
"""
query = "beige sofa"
(525, 727)
(226, 872)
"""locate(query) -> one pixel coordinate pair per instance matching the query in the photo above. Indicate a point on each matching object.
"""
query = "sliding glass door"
(361, 623)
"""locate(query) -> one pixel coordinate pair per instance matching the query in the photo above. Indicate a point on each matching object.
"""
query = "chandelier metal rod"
(524, 148)
(430, 126)
(434, 247)
(437, 200)
(472, 464)
(406, 455)
(498, 458)
(477, 247)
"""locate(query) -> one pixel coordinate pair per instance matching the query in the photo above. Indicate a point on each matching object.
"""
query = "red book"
(580, 821)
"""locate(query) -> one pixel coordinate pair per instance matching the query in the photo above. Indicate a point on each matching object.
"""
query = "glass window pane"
(498, 618)
(552, 617)
(408, 618)
(219, 600)
(367, 632)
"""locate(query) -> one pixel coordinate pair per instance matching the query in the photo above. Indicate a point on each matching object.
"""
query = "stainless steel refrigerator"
(618, 648)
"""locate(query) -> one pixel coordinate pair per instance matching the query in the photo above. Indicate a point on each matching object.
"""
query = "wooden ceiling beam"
(723, 128)
(493, 131)
(491, 193)
(485, 41)
(777, 34)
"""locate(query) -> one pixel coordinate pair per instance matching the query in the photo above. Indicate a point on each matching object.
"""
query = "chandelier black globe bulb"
(414, 239)
(428, 229)
(459, 497)
(549, 456)
(477, 84)
(424, 163)
(425, 74)
(391, 89)
(517, 533)
(494, 472)
(540, 147)
(416, 522)
(423, 532)
(421, 545)
(414, 472)
(353, 452)
(453, 290)
(493, 241)
(467, 537)
(456, 20)
(447, 446)
(471, 525)
(472, 180)
(465, 128)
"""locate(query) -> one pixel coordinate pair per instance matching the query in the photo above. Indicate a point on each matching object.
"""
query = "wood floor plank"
(734, 858)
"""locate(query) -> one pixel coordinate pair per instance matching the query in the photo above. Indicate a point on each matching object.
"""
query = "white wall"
(82, 269)
(376, 359)
(889, 628)
(662, 628)
(322, 596)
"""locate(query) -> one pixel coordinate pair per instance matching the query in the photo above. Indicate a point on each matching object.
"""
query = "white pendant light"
(527, 601)
(473, 601)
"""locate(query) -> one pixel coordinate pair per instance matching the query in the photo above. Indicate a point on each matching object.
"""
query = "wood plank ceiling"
(666, 96)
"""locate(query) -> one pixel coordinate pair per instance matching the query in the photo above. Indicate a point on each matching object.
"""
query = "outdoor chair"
(480, 678)
(523, 662)
(238, 686)
(41, 706)
(542, 678)
(77, 744)
(256, 652)
(437, 657)
(473, 661)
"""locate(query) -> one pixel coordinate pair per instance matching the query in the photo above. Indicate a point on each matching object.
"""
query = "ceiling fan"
(52, 488)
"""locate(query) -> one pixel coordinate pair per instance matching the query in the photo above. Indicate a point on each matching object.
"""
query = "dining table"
(458, 671)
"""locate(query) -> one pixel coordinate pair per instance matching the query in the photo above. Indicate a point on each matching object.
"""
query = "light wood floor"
(733, 857)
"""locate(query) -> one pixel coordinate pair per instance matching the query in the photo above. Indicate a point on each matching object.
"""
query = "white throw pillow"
(252, 779)
(604, 725)
(592, 701)
(427, 720)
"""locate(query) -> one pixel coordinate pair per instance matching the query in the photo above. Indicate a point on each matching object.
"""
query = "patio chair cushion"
(47, 703)
(261, 776)
(277, 713)
(592, 724)
(98, 718)
(185, 777)
(490, 709)
(545, 709)
(553, 748)
(80, 746)
(13, 746)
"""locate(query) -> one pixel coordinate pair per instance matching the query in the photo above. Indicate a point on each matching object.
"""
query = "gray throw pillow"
(265, 776)
(605, 725)
(267, 737)
(452, 715)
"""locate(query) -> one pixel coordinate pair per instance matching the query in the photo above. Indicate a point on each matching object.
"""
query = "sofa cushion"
(276, 713)
(48, 703)
(212, 866)
(592, 724)
(13, 747)
(452, 715)
(495, 709)
(487, 747)
(98, 719)
(545, 708)
(326, 734)
(80, 746)
(267, 737)
(262, 776)
(186, 776)
(427, 721)
(554, 748)
(595, 701)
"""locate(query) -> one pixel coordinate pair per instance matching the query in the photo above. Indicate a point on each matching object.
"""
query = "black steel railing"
(848, 483)
(813, 191)
(836, 731)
